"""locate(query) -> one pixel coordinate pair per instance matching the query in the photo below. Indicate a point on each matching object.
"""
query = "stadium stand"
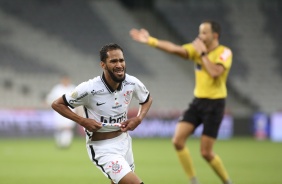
(273, 15)
(257, 48)
(42, 39)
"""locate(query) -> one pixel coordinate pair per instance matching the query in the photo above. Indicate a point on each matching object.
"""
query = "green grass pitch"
(38, 161)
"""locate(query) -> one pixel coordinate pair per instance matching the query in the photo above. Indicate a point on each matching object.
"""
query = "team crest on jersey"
(127, 97)
(116, 167)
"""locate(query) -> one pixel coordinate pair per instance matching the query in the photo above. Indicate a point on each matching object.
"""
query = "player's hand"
(130, 124)
(199, 46)
(91, 125)
(141, 35)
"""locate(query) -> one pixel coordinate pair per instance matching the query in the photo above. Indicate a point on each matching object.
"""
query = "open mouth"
(119, 71)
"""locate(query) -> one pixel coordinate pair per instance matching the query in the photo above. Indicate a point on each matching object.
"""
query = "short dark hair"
(106, 48)
(214, 26)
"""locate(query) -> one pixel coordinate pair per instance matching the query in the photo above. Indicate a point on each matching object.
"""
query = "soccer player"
(63, 126)
(212, 64)
(106, 100)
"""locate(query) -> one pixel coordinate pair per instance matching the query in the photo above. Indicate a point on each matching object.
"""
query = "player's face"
(115, 65)
(206, 34)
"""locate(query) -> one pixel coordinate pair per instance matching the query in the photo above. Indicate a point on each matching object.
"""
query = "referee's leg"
(182, 132)
(214, 160)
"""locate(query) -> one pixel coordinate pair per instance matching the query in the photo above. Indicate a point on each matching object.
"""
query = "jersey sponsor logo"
(226, 53)
(98, 104)
(129, 83)
(82, 96)
(78, 98)
(114, 119)
(127, 96)
(116, 167)
(93, 92)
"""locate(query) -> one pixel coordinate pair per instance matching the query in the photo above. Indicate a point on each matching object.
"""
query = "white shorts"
(113, 157)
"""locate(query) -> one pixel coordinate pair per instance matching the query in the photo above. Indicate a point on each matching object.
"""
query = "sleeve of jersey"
(225, 58)
(141, 93)
(190, 50)
(77, 97)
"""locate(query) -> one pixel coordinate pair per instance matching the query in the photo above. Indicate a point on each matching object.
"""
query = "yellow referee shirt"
(207, 86)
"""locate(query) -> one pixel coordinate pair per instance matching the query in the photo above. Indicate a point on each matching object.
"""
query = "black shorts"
(207, 111)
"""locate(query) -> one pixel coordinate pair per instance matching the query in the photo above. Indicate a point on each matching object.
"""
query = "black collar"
(110, 89)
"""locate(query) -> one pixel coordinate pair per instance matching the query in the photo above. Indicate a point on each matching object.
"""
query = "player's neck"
(114, 85)
(212, 46)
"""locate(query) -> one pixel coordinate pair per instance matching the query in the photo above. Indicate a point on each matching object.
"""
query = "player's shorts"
(207, 111)
(113, 157)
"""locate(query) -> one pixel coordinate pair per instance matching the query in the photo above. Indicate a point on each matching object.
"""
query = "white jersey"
(105, 105)
(56, 92)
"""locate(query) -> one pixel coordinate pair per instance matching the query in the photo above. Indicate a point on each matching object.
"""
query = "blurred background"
(40, 40)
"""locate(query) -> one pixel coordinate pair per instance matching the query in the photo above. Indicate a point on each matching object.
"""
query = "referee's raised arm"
(143, 36)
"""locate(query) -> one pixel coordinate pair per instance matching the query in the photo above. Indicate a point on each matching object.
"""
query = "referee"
(212, 64)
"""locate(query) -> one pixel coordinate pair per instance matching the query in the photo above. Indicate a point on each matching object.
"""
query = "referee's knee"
(178, 145)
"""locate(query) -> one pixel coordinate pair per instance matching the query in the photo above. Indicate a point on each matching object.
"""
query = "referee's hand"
(199, 46)
(141, 35)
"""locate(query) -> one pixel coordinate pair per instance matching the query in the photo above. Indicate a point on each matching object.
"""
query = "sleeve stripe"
(66, 102)
(145, 100)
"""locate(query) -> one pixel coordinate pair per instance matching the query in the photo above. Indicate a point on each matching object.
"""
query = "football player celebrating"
(106, 101)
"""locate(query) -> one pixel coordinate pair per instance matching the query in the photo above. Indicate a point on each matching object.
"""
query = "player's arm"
(213, 69)
(143, 36)
(62, 108)
(132, 123)
(144, 108)
(79, 111)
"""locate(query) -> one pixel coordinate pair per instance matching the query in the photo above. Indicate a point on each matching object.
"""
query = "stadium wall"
(40, 123)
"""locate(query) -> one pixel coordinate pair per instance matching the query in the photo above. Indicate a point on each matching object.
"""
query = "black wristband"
(203, 54)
